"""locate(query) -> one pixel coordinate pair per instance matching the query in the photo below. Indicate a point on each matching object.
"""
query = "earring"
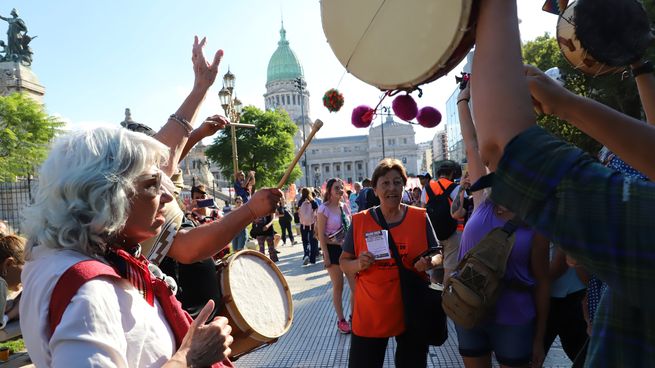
(3, 273)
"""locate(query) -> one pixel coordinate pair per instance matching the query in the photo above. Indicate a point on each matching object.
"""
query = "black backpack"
(438, 208)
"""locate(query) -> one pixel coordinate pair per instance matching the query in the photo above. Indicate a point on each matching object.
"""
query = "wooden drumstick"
(236, 125)
(317, 125)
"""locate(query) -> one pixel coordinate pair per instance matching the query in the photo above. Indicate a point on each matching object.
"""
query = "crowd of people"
(118, 270)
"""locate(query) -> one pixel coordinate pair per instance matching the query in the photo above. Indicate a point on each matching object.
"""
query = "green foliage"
(544, 53)
(14, 345)
(25, 133)
(268, 149)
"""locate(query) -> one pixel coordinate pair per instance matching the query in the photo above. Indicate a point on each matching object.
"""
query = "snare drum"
(572, 49)
(399, 44)
(256, 300)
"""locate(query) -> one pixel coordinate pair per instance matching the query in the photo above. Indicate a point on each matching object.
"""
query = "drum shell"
(247, 339)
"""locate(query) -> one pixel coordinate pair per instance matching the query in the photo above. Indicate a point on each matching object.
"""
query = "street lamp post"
(299, 84)
(232, 107)
(385, 111)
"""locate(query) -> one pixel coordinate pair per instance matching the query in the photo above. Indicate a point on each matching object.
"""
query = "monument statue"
(17, 47)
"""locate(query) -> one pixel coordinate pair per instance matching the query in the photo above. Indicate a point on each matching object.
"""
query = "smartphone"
(428, 253)
(205, 203)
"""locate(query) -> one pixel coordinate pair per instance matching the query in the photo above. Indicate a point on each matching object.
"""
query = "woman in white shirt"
(100, 193)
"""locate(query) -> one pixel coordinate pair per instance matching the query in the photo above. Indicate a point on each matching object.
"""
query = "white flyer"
(378, 244)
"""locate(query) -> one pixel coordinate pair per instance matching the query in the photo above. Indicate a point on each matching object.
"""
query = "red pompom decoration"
(362, 116)
(429, 117)
(404, 107)
(333, 100)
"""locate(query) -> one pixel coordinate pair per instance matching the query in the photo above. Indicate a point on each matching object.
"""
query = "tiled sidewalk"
(313, 340)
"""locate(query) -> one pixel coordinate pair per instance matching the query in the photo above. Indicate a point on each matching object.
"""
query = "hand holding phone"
(431, 252)
(205, 203)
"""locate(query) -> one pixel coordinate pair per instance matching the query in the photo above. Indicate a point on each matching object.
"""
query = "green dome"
(284, 64)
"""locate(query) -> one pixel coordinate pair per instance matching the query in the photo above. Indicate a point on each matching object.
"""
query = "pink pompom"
(429, 117)
(404, 107)
(362, 116)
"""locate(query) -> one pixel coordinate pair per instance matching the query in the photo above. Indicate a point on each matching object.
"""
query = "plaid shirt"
(601, 218)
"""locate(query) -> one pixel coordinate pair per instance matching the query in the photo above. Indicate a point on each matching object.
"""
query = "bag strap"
(447, 191)
(344, 223)
(68, 284)
(429, 191)
(392, 243)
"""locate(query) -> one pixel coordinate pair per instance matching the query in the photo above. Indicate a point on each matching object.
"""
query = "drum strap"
(78, 274)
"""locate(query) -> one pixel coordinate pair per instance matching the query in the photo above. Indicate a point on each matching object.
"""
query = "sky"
(97, 58)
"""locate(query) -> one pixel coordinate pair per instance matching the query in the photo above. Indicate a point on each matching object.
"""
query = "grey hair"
(85, 186)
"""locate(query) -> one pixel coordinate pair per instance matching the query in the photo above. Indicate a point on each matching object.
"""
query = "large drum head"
(260, 297)
(398, 44)
(572, 49)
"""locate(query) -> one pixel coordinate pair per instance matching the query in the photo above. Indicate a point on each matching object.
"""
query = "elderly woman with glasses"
(90, 298)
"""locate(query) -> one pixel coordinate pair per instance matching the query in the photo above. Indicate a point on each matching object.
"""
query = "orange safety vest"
(378, 303)
(437, 190)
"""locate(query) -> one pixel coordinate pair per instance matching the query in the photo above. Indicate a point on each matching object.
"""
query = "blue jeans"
(239, 241)
(309, 242)
(511, 343)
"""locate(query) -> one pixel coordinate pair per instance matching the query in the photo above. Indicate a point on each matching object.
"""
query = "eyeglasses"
(152, 186)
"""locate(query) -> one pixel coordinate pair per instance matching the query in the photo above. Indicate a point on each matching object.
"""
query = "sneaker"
(305, 261)
(343, 326)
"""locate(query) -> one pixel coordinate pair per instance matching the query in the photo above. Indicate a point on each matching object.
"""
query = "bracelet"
(183, 122)
(251, 211)
(463, 99)
(646, 67)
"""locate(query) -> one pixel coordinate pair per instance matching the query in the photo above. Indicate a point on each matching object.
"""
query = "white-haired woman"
(90, 298)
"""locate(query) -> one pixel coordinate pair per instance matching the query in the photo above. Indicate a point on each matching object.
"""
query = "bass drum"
(399, 44)
(256, 301)
(572, 49)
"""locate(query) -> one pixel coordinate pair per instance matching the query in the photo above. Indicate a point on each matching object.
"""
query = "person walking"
(333, 221)
(307, 207)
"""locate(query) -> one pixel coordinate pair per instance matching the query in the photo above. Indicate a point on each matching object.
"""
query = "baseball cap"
(424, 174)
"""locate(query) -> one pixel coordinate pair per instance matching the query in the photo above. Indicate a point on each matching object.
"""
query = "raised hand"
(205, 73)
(211, 125)
(548, 96)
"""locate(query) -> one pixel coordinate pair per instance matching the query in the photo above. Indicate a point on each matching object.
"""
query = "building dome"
(284, 64)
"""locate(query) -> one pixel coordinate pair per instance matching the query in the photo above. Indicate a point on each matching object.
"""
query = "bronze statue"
(17, 46)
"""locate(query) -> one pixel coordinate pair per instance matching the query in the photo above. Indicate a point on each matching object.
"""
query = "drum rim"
(239, 320)
(603, 68)
(464, 41)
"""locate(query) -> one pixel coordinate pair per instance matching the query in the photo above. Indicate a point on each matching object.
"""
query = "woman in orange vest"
(378, 312)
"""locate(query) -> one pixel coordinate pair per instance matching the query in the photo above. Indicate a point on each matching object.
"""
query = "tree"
(25, 133)
(544, 53)
(268, 149)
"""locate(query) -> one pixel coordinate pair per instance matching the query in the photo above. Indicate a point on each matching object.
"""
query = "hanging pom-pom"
(333, 100)
(429, 117)
(362, 116)
(405, 107)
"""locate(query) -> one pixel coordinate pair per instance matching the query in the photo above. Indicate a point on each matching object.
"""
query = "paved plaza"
(313, 340)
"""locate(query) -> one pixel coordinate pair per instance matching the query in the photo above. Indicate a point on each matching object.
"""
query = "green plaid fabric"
(601, 218)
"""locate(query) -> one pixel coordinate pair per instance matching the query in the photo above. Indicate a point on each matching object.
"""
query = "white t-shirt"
(106, 324)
